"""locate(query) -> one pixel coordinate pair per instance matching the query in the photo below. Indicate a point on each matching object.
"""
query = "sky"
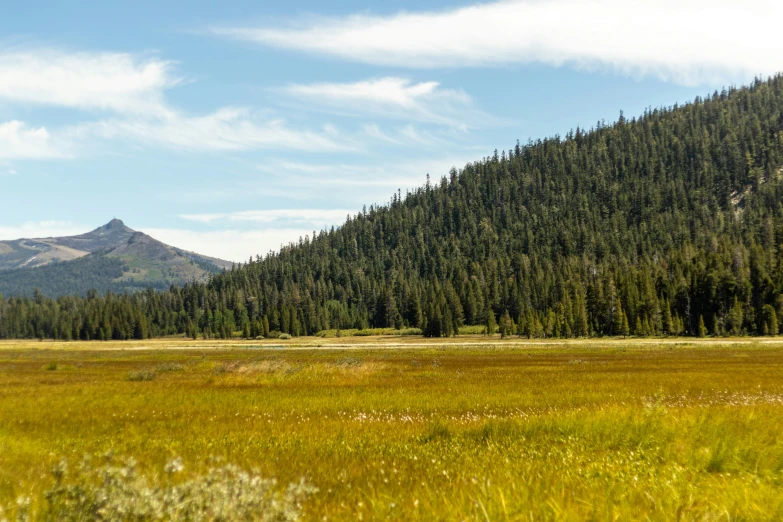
(229, 128)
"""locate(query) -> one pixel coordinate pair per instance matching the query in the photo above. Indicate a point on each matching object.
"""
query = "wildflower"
(174, 466)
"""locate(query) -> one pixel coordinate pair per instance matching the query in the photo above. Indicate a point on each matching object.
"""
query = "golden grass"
(409, 429)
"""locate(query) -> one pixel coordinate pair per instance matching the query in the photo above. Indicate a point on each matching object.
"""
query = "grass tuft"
(143, 375)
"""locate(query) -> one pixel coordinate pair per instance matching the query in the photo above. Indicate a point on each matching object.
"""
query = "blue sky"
(229, 128)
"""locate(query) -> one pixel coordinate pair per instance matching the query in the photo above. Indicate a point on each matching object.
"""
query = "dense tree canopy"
(669, 223)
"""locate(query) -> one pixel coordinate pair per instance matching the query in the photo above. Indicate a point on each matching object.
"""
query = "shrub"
(436, 432)
(52, 366)
(144, 375)
(473, 330)
(368, 332)
(117, 491)
(225, 367)
(284, 336)
(169, 367)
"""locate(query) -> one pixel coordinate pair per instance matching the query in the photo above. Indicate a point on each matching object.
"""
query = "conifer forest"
(667, 223)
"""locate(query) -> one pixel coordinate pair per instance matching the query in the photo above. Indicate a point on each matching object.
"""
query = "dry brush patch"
(567, 432)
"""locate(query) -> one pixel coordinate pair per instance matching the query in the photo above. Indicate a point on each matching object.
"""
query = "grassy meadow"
(409, 429)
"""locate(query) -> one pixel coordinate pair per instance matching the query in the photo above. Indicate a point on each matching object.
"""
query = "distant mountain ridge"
(112, 257)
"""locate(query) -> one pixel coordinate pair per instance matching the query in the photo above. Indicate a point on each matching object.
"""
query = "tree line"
(670, 223)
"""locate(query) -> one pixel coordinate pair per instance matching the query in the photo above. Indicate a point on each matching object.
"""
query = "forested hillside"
(667, 223)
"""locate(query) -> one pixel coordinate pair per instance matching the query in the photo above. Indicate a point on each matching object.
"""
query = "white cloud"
(688, 42)
(374, 131)
(20, 141)
(133, 89)
(40, 229)
(315, 217)
(228, 129)
(231, 245)
(419, 137)
(93, 81)
(388, 177)
(409, 135)
(390, 97)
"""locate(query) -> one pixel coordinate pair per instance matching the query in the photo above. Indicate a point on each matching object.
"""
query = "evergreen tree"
(702, 328)
(492, 325)
(625, 330)
(770, 319)
(506, 325)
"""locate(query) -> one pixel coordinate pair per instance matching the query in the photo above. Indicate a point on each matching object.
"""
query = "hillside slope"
(110, 258)
(669, 223)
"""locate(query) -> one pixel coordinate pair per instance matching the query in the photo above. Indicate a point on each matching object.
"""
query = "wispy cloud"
(231, 245)
(41, 229)
(374, 131)
(20, 141)
(115, 82)
(128, 94)
(387, 176)
(689, 42)
(395, 98)
(313, 217)
(228, 129)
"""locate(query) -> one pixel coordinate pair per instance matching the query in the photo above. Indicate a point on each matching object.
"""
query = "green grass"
(576, 431)
(368, 332)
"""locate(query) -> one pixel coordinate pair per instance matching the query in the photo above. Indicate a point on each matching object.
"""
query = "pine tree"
(770, 319)
(265, 323)
(668, 321)
(506, 325)
(492, 325)
(618, 313)
(702, 328)
(626, 331)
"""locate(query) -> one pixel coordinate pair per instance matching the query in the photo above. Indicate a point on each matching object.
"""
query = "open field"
(415, 429)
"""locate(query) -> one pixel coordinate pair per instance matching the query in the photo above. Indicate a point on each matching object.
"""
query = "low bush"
(368, 332)
(169, 367)
(143, 375)
(473, 330)
(118, 491)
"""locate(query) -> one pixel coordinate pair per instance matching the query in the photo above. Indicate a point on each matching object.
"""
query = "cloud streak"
(314, 217)
(40, 229)
(19, 141)
(690, 43)
(228, 129)
(128, 92)
(393, 98)
(231, 245)
(115, 82)
(385, 176)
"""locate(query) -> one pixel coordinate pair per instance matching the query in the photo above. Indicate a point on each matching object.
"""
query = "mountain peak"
(111, 257)
(114, 223)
